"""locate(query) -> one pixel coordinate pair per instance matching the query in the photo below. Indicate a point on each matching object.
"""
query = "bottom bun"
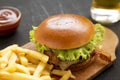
(82, 65)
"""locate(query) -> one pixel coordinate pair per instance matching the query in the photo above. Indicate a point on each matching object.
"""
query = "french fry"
(31, 65)
(31, 70)
(61, 73)
(21, 76)
(22, 69)
(23, 60)
(7, 55)
(2, 52)
(12, 59)
(5, 75)
(11, 63)
(21, 53)
(46, 78)
(39, 56)
(11, 68)
(39, 69)
(66, 76)
(4, 59)
(45, 72)
(3, 63)
(32, 60)
(17, 76)
(47, 69)
(34, 54)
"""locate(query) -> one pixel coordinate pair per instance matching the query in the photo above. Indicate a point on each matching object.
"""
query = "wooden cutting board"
(109, 46)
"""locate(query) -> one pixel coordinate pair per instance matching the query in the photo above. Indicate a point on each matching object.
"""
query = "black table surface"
(35, 11)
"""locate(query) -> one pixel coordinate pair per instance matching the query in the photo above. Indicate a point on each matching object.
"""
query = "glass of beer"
(105, 11)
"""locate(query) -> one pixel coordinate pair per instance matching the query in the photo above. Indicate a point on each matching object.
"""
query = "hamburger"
(69, 40)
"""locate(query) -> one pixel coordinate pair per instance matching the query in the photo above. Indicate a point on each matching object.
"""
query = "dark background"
(34, 11)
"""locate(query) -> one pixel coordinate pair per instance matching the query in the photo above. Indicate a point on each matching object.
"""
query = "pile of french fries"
(17, 63)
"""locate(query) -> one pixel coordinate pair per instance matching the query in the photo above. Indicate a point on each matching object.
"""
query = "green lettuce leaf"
(77, 53)
(40, 48)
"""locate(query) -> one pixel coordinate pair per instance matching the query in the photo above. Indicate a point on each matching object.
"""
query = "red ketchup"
(9, 20)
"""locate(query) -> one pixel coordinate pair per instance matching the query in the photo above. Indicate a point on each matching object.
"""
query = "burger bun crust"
(65, 31)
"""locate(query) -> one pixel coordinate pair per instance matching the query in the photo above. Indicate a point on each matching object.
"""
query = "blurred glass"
(105, 11)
